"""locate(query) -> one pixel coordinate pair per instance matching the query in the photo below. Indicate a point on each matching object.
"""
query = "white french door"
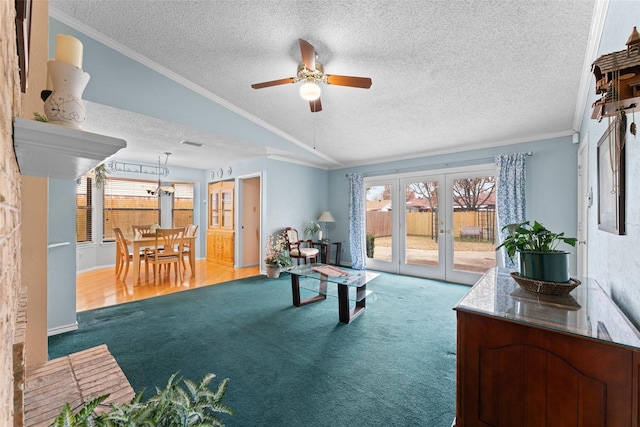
(436, 225)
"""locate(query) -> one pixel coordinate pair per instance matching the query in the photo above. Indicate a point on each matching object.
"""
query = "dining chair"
(142, 230)
(125, 256)
(187, 245)
(300, 249)
(170, 240)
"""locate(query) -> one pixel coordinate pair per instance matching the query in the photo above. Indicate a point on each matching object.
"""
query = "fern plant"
(85, 417)
(173, 406)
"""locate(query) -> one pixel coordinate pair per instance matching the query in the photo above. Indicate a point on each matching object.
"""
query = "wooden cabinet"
(220, 230)
(531, 360)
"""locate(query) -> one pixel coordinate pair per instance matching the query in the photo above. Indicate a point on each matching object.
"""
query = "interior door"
(249, 220)
(584, 202)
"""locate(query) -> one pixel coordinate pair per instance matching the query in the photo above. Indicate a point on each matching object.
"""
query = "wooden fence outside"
(379, 223)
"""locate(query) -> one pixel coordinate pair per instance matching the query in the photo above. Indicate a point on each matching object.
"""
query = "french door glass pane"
(421, 223)
(474, 224)
(379, 222)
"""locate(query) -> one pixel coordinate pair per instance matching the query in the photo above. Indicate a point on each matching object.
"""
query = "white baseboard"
(62, 329)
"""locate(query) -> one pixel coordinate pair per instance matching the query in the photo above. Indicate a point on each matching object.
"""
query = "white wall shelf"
(53, 151)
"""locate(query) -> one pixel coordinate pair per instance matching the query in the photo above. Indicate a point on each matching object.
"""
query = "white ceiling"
(448, 75)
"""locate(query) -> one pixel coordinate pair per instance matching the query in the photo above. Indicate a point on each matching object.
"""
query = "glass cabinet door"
(214, 217)
(227, 209)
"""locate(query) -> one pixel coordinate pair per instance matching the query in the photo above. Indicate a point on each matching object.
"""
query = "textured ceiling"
(447, 75)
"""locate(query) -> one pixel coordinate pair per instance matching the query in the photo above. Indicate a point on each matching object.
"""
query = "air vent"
(195, 144)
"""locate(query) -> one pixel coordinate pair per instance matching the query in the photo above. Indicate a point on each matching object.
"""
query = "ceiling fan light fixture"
(310, 91)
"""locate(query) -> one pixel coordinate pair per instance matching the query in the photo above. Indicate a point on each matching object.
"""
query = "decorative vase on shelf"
(273, 271)
(320, 236)
(64, 105)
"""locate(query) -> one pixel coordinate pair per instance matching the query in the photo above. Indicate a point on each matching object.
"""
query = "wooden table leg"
(118, 260)
(346, 314)
(192, 257)
(295, 291)
(136, 263)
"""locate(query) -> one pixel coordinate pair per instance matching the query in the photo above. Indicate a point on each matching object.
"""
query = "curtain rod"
(472, 162)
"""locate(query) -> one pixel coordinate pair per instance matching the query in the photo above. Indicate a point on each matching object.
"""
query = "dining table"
(149, 241)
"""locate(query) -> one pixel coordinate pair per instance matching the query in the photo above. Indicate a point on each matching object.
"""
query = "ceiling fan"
(312, 72)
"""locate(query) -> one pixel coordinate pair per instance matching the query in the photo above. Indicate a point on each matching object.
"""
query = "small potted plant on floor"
(539, 258)
(277, 256)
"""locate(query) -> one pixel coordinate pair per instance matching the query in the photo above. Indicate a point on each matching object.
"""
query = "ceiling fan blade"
(315, 105)
(273, 83)
(361, 82)
(308, 55)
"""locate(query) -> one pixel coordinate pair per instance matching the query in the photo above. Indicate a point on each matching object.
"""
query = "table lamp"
(326, 217)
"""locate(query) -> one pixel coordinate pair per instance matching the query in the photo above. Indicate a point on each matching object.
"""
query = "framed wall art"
(611, 188)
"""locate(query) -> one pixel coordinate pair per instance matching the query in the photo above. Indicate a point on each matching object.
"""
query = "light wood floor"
(101, 288)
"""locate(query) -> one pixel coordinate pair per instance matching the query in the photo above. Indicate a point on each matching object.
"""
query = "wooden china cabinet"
(220, 230)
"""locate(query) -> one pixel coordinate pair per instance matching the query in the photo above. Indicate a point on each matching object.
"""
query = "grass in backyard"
(427, 243)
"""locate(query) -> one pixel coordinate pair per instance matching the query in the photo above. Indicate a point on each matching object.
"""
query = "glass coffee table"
(316, 277)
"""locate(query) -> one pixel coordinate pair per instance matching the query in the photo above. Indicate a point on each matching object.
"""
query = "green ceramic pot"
(545, 266)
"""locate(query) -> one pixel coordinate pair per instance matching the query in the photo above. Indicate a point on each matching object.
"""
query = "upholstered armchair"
(300, 249)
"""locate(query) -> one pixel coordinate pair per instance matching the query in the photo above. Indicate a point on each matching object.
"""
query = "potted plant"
(312, 229)
(100, 173)
(277, 256)
(539, 258)
(371, 244)
(175, 405)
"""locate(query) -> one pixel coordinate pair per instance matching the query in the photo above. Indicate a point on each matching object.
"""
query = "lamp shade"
(310, 91)
(326, 217)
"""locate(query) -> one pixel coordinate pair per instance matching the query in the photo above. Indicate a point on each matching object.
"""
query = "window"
(126, 202)
(84, 210)
(182, 212)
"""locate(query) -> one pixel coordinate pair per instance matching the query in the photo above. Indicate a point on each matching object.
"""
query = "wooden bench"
(74, 379)
(471, 231)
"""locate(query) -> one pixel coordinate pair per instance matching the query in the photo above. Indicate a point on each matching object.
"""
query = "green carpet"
(394, 365)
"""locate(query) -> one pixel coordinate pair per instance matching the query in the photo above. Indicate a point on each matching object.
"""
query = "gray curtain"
(357, 217)
(510, 196)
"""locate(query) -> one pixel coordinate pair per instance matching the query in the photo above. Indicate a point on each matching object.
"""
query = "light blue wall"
(121, 82)
(61, 271)
(613, 259)
(295, 195)
(292, 194)
(550, 191)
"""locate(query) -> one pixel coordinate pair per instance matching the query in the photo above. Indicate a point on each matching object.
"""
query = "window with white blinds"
(84, 211)
(127, 203)
(182, 211)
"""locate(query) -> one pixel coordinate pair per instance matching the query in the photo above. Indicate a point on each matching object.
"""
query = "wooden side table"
(325, 251)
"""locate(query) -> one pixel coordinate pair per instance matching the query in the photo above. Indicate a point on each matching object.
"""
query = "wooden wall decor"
(617, 77)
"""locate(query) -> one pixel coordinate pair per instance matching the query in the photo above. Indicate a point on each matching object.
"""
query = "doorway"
(584, 203)
(249, 214)
(436, 225)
